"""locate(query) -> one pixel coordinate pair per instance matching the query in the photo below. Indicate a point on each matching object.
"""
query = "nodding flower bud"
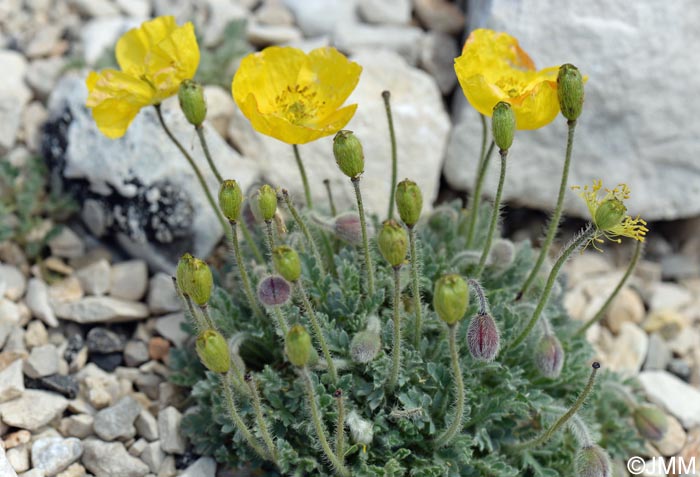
(365, 346)
(592, 461)
(348, 153)
(409, 202)
(347, 227)
(287, 263)
(231, 200)
(198, 281)
(451, 298)
(549, 356)
(502, 253)
(298, 346)
(192, 102)
(212, 350)
(267, 202)
(570, 91)
(360, 429)
(393, 242)
(503, 125)
(274, 291)
(483, 338)
(183, 272)
(609, 214)
(651, 422)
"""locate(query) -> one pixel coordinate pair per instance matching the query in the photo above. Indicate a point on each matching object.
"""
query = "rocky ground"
(85, 331)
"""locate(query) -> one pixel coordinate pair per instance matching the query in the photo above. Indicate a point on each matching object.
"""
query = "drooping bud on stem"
(549, 356)
(409, 202)
(298, 346)
(483, 338)
(212, 350)
(231, 200)
(348, 153)
(593, 461)
(393, 242)
(192, 102)
(451, 298)
(348, 227)
(197, 281)
(274, 291)
(267, 202)
(570, 91)
(503, 125)
(651, 422)
(287, 263)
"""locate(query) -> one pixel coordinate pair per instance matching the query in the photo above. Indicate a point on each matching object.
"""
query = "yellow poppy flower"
(494, 68)
(609, 214)
(154, 59)
(293, 96)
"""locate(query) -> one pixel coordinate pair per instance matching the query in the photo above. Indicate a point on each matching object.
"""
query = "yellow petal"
(132, 49)
(113, 117)
(538, 107)
(333, 76)
(173, 60)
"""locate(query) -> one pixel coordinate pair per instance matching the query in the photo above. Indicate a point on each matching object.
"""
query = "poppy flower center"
(298, 104)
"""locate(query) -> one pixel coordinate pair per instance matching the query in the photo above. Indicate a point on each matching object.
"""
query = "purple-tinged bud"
(549, 356)
(365, 346)
(592, 461)
(347, 227)
(274, 291)
(651, 422)
(483, 338)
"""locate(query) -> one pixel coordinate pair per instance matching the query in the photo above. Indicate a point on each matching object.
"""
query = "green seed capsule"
(200, 282)
(393, 242)
(231, 200)
(409, 202)
(192, 102)
(212, 350)
(267, 202)
(503, 125)
(451, 298)
(609, 214)
(287, 263)
(570, 91)
(348, 153)
(651, 422)
(298, 346)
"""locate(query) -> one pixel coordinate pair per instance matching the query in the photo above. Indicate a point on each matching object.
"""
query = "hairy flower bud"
(651, 422)
(451, 298)
(183, 272)
(409, 202)
(192, 102)
(365, 346)
(348, 153)
(212, 350)
(347, 227)
(592, 461)
(230, 200)
(267, 202)
(393, 242)
(609, 214)
(549, 356)
(274, 290)
(570, 91)
(483, 338)
(298, 346)
(287, 263)
(360, 429)
(198, 281)
(503, 125)
(502, 253)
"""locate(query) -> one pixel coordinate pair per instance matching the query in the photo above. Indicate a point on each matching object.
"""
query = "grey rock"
(676, 397)
(680, 368)
(33, 118)
(170, 327)
(137, 448)
(111, 460)
(220, 14)
(42, 74)
(95, 277)
(11, 381)
(101, 309)
(146, 425)
(14, 95)
(153, 456)
(162, 297)
(102, 340)
(12, 281)
(19, 457)
(36, 334)
(10, 313)
(37, 300)
(67, 244)
(54, 454)
(15, 341)
(58, 383)
(262, 35)
(6, 327)
(43, 41)
(620, 116)
(385, 11)
(440, 15)
(5, 466)
(117, 421)
(678, 266)
(658, 354)
(129, 280)
(95, 8)
(107, 361)
(322, 17)
(135, 8)
(78, 425)
(135, 353)
(171, 439)
(437, 55)
(203, 467)
(33, 409)
(402, 39)
(42, 361)
(274, 12)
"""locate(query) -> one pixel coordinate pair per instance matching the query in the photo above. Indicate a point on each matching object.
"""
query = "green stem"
(340, 468)
(195, 168)
(365, 241)
(578, 242)
(481, 169)
(331, 202)
(340, 427)
(304, 179)
(556, 216)
(281, 320)
(386, 95)
(269, 238)
(248, 238)
(456, 425)
(260, 417)
(207, 154)
(495, 214)
(236, 418)
(630, 268)
(396, 345)
(247, 288)
(187, 304)
(207, 317)
(545, 436)
(415, 287)
(317, 331)
(304, 230)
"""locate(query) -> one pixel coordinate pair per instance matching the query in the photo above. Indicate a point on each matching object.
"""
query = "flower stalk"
(386, 96)
(238, 421)
(396, 345)
(304, 230)
(207, 154)
(495, 215)
(304, 178)
(456, 424)
(365, 240)
(340, 427)
(238, 256)
(260, 417)
(484, 159)
(316, 326)
(415, 286)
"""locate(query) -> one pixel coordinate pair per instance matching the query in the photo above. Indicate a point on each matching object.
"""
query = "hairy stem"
(484, 158)
(269, 239)
(329, 192)
(281, 320)
(556, 216)
(340, 427)
(396, 345)
(456, 425)
(483, 303)
(195, 319)
(415, 286)
(304, 230)
(247, 288)
(248, 238)
(260, 417)
(316, 326)
(365, 241)
(207, 154)
(386, 96)
(238, 421)
(495, 214)
(304, 179)
(207, 317)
